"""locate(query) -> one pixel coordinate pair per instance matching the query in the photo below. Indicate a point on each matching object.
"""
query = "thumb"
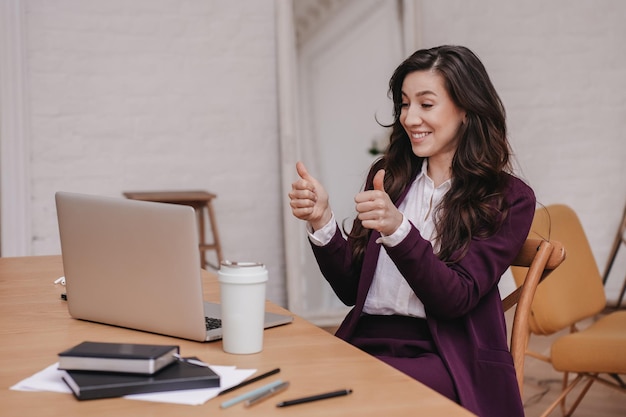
(302, 171)
(379, 180)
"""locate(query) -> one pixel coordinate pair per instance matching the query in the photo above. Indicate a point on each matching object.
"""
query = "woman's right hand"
(309, 199)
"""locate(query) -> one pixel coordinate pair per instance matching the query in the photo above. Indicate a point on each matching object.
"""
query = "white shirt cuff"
(398, 236)
(322, 236)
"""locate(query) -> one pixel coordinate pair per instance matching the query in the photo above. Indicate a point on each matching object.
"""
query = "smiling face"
(430, 117)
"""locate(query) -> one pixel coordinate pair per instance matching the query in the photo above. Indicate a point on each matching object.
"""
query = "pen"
(250, 381)
(267, 394)
(191, 361)
(251, 394)
(315, 398)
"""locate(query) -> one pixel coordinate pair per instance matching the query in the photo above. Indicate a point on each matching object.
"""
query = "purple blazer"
(462, 301)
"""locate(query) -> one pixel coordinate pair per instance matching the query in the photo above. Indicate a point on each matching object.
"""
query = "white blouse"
(389, 292)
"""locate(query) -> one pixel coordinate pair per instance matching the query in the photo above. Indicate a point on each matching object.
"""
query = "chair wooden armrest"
(525, 258)
(540, 257)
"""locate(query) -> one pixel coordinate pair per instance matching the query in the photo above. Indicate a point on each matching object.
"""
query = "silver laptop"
(136, 264)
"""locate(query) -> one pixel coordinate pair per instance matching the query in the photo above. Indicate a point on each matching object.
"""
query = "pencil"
(315, 398)
(250, 381)
(251, 394)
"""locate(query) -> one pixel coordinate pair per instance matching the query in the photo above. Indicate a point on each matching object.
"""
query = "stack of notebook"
(103, 370)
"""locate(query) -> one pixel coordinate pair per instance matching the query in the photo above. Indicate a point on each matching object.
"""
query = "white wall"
(560, 68)
(171, 94)
(157, 95)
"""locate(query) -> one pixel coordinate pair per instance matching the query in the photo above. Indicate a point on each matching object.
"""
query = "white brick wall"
(560, 69)
(174, 94)
(157, 95)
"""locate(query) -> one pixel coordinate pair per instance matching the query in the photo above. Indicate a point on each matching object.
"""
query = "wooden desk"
(35, 326)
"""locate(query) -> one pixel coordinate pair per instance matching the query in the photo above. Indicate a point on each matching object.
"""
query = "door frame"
(290, 141)
(15, 207)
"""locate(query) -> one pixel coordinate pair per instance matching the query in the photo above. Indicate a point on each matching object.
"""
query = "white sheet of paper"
(49, 379)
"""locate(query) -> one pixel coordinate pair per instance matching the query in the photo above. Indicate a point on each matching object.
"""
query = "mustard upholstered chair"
(539, 258)
(572, 293)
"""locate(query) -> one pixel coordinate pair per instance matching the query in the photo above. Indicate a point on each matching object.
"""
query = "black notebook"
(87, 385)
(117, 357)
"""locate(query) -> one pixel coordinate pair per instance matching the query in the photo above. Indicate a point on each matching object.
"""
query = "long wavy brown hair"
(474, 206)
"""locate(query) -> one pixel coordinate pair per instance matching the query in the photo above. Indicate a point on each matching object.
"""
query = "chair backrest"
(539, 258)
(574, 291)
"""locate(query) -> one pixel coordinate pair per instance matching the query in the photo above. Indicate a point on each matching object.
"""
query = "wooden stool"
(199, 200)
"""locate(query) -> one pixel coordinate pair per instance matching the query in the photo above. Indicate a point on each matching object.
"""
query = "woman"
(439, 222)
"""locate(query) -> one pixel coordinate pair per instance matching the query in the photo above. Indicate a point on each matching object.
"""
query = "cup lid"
(231, 264)
(242, 272)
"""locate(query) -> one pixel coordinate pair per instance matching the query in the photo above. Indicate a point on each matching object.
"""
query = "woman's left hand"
(375, 208)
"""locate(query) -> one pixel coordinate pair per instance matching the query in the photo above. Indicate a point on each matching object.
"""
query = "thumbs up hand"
(309, 199)
(379, 180)
(375, 208)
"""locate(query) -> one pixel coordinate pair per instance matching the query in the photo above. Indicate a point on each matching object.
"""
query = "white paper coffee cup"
(242, 294)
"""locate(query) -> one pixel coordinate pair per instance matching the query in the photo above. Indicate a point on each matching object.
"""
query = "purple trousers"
(406, 344)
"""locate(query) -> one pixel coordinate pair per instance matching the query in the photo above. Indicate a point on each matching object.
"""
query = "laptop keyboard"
(212, 323)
